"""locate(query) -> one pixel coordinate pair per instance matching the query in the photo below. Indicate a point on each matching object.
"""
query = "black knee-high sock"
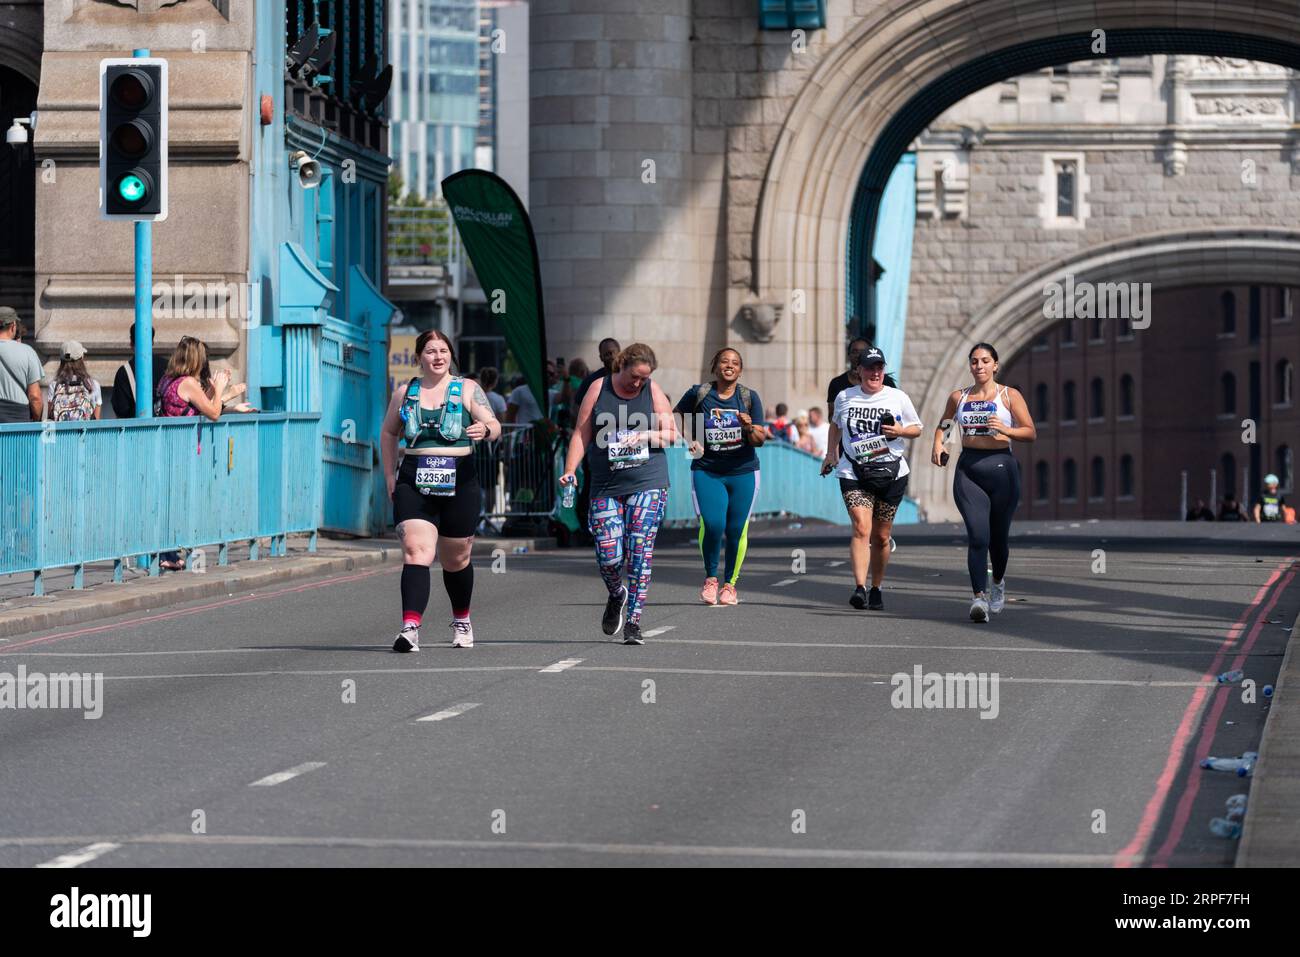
(415, 592)
(460, 588)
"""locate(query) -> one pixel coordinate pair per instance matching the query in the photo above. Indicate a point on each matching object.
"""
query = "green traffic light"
(131, 188)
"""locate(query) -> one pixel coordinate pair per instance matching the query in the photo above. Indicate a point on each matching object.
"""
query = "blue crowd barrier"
(72, 493)
(791, 483)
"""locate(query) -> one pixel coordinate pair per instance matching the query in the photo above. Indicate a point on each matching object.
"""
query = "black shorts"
(883, 505)
(455, 516)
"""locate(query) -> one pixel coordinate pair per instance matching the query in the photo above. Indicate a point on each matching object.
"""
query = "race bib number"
(625, 452)
(722, 430)
(974, 417)
(435, 475)
(869, 447)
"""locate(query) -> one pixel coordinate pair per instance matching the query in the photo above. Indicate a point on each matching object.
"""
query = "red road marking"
(1178, 747)
(189, 611)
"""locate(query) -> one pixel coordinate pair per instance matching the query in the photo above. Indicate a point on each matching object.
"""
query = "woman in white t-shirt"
(866, 450)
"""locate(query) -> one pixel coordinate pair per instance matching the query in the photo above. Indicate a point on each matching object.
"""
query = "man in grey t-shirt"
(20, 374)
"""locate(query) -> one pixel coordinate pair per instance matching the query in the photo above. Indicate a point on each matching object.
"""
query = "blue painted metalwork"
(792, 14)
(144, 384)
(80, 492)
(791, 482)
(893, 250)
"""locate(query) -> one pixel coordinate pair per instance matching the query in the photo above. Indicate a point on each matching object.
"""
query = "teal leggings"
(723, 503)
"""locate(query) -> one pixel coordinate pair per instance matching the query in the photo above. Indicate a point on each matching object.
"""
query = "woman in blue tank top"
(623, 426)
(986, 487)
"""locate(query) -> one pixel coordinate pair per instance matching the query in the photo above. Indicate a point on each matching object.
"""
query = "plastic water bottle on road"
(1222, 827)
(1231, 677)
(1236, 807)
(1235, 765)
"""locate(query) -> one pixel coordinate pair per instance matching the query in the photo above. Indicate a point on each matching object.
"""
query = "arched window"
(1283, 379)
(1126, 476)
(1229, 466)
(1069, 481)
(1228, 403)
(1098, 328)
(1067, 333)
(1098, 488)
(1284, 467)
(1228, 310)
(1041, 404)
(1068, 403)
(1041, 473)
(1097, 400)
(1126, 404)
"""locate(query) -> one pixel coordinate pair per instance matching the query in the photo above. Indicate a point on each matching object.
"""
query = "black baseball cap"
(871, 357)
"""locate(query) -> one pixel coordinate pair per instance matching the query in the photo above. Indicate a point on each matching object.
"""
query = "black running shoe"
(632, 634)
(614, 611)
(874, 600)
(859, 599)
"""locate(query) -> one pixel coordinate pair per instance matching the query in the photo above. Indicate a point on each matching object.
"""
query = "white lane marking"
(873, 646)
(564, 665)
(835, 564)
(591, 847)
(451, 712)
(281, 776)
(788, 581)
(889, 677)
(82, 856)
(659, 631)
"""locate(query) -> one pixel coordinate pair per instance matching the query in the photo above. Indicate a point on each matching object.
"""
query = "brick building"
(1122, 413)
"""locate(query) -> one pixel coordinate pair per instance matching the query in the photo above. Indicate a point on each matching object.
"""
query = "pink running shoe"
(709, 593)
(728, 596)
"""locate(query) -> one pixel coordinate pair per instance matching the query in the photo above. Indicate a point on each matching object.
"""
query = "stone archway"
(895, 68)
(1230, 255)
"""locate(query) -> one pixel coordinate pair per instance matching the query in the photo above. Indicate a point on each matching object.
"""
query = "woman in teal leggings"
(722, 417)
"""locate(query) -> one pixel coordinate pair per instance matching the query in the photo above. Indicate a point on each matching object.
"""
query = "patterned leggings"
(627, 525)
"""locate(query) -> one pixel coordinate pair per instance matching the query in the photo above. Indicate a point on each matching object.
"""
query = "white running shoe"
(998, 597)
(408, 639)
(462, 633)
(979, 608)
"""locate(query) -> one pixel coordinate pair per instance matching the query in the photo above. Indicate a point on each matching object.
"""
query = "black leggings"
(987, 491)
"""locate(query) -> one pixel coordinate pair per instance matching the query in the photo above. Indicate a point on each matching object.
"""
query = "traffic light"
(133, 139)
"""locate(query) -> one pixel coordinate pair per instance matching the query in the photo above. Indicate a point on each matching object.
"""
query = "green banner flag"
(495, 230)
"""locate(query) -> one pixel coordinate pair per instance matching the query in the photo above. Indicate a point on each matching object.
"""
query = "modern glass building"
(434, 108)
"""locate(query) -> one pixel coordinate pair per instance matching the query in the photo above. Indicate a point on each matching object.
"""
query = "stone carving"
(1238, 106)
(761, 318)
(1235, 66)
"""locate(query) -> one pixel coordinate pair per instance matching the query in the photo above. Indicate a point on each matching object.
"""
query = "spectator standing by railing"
(819, 428)
(1200, 512)
(181, 392)
(803, 437)
(782, 427)
(20, 374)
(74, 395)
(1231, 510)
(489, 378)
(123, 398)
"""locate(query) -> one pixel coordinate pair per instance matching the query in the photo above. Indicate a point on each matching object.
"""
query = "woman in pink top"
(181, 390)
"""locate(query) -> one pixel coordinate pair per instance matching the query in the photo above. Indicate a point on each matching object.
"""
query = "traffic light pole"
(144, 384)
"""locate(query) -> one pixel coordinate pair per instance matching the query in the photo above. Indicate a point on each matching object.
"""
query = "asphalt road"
(772, 737)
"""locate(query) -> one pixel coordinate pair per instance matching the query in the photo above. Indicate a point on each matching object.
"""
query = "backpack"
(702, 393)
(72, 401)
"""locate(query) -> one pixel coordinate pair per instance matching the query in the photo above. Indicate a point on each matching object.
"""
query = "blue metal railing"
(791, 482)
(72, 493)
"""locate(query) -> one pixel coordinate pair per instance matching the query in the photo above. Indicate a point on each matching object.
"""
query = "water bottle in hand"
(570, 494)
